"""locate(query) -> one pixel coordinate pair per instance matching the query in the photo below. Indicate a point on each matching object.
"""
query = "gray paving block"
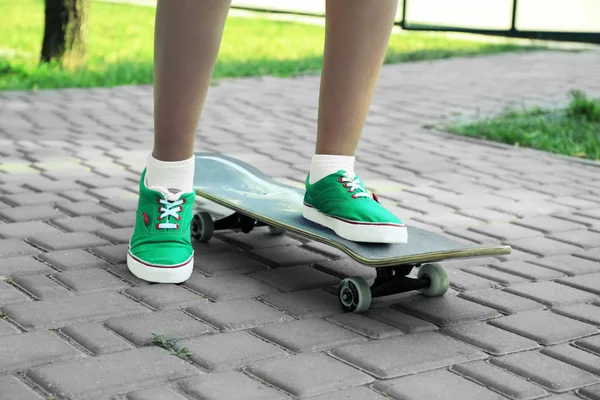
(23, 230)
(155, 393)
(83, 208)
(90, 281)
(73, 260)
(346, 267)
(500, 380)
(69, 310)
(238, 314)
(493, 340)
(297, 278)
(42, 287)
(591, 343)
(543, 246)
(79, 224)
(259, 238)
(7, 329)
(439, 384)
(581, 237)
(464, 281)
(125, 219)
(308, 374)
(21, 266)
(445, 219)
(505, 231)
(574, 356)
(16, 248)
(388, 358)
(123, 272)
(96, 338)
(27, 350)
(54, 186)
(471, 236)
(495, 275)
(288, 256)
(447, 310)
(589, 283)
(591, 392)
(228, 385)
(548, 224)
(214, 246)
(67, 241)
(568, 264)
(587, 313)
(116, 253)
(551, 293)
(13, 388)
(163, 296)
(407, 323)
(110, 374)
(225, 288)
(117, 204)
(308, 335)
(78, 196)
(544, 326)
(10, 295)
(226, 263)
(487, 215)
(230, 350)
(139, 328)
(501, 300)
(545, 371)
(30, 213)
(355, 393)
(527, 270)
(593, 254)
(314, 303)
(112, 193)
(365, 326)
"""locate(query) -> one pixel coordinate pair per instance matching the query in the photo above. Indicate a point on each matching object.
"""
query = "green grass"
(573, 131)
(121, 36)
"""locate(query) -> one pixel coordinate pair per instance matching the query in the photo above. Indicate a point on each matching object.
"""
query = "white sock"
(325, 164)
(175, 176)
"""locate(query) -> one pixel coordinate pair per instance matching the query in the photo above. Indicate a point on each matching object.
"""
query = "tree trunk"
(65, 32)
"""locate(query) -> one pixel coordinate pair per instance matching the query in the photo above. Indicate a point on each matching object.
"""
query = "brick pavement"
(258, 315)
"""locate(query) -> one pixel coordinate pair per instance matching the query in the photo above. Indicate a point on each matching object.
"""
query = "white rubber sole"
(359, 232)
(160, 274)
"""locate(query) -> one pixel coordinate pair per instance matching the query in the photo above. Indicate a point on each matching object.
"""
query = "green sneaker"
(160, 249)
(340, 202)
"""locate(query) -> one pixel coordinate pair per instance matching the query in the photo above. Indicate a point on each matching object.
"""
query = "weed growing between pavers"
(171, 344)
(572, 131)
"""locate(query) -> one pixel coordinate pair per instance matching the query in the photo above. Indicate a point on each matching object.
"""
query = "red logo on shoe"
(146, 219)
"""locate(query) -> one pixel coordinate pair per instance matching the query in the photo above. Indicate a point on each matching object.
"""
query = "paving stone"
(472, 236)
(493, 340)
(544, 327)
(16, 248)
(260, 238)
(593, 254)
(517, 255)
(464, 281)
(346, 267)
(229, 350)
(123, 272)
(589, 283)
(6, 329)
(388, 358)
(582, 238)
(79, 224)
(72, 309)
(125, 219)
(551, 293)
(495, 275)
(591, 392)
(229, 385)
(527, 270)
(227, 263)
(23, 230)
(21, 266)
(487, 215)
(10, 295)
(112, 192)
(54, 186)
(575, 202)
(441, 385)
(96, 338)
(308, 335)
(407, 323)
(543, 246)
(308, 374)
(365, 326)
(164, 296)
(326, 250)
(27, 350)
(30, 213)
(447, 310)
(355, 393)
(447, 220)
(139, 328)
(90, 281)
(225, 288)
(67, 241)
(298, 278)
(591, 343)
(288, 256)
(505, 231)
(110, 374)
(500, 380)
(574, 356)
(42, 287)
(500, 300)
(155, 393)
(546, 371)
(72, 260)
(116, 254)
(117, 204)
(568, 264)
(13, 388)
(587, 313)
(77, 196)
(214, 246)
(83, 208)
(314, 303)
(117, 236)
(548, 224)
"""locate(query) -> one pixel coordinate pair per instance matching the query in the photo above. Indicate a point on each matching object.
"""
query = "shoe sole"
(160, 274)
(356, 231)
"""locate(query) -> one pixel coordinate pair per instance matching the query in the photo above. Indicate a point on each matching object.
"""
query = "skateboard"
(232, 194)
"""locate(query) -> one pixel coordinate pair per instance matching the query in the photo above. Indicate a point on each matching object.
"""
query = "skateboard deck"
(231, 184)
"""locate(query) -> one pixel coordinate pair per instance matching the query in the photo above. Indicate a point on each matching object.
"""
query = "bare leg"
(356, 39)
(186, 43)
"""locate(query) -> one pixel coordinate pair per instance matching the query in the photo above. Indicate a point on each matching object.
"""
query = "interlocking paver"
(116, 254)
(297, 278)
(501, 300)
(96, 338)
(83, 208)
(66, 241)
(226, 263)
(23, 230)
(16, 248)
(288, 256)
(589, 283)
(587, 313)
(79, 224)
(496, 275)
(489, 338)
(574, 356)
(7, 329)
(464, 281)
(42, 287)
(229, 385)
(90, 281)
(591, 392)
(505, 231)
(568, 264)
(164, 296)
(548, 224)
(260, 238)
(365, 326)
(224, 288)
(543, 246)
(117, 236)
(9, 295)
(13, 388)
(551, 293)
(155, 393)
(125, 219)
(312, 303)
(346, 267)
(74, 259)
(591, 343)
(21, 266)
(30, 213)
(527, 270)
(407, 323)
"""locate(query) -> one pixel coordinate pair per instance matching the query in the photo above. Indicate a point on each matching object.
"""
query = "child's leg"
(187, 39)
(357, 35)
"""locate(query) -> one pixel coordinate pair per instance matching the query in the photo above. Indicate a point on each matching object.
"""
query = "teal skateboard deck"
(234, 195)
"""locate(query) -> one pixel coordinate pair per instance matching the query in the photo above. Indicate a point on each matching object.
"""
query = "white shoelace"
(171, 209)
(352, 183)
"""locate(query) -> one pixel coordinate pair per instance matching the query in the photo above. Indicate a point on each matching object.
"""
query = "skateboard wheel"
(202, 227)
(354, 294)
(275, 231)
(437, 276)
